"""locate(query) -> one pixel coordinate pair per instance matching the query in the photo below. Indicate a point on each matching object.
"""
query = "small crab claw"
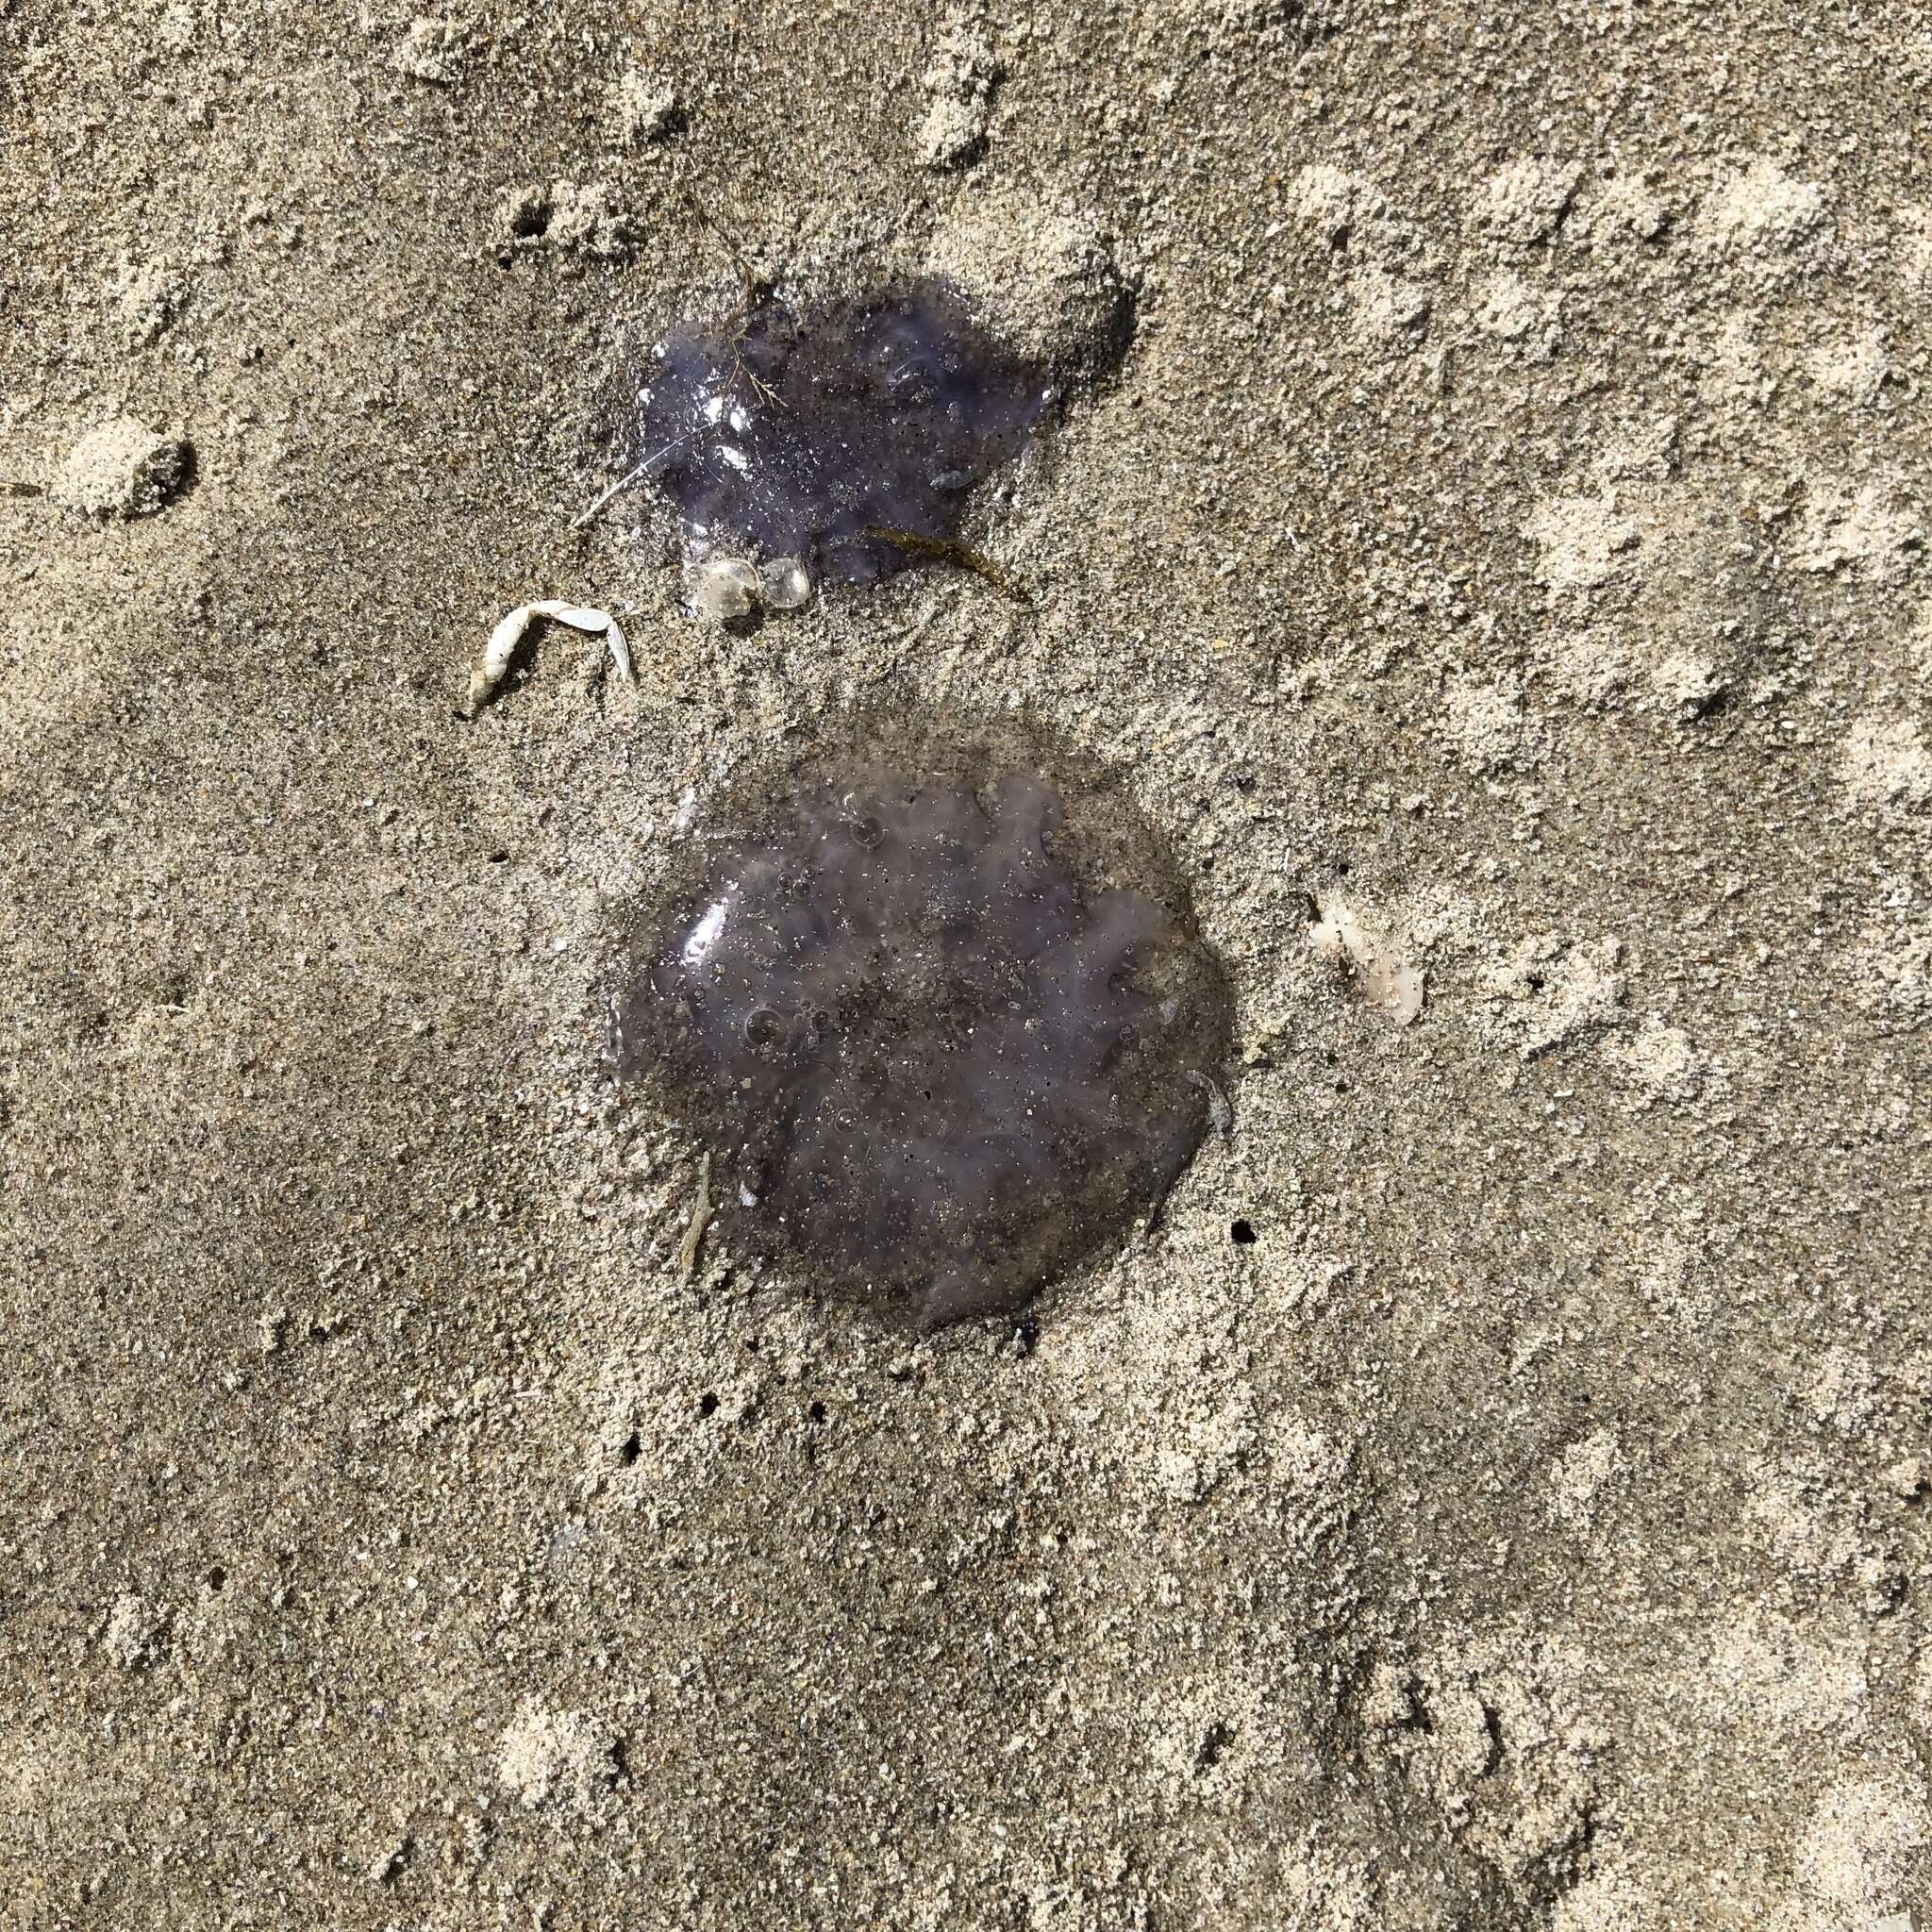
(509, 634)
(620, 650)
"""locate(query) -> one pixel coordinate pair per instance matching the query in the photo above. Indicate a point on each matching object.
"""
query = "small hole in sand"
(1219, 1736)
(708, 1403)
(1243, 1233)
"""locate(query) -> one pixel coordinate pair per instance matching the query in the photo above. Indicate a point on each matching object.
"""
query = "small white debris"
(562, 1758)
(136, 1634)
(509, 632)
(1220, 1113)
(1659, 1061)
(646, 108)
(1392, 986)
(1321, 197)
(634, 475)
(432, 51)
(620, 650)
(1686, 685)
(1874, 528)
(1525, 201)
(1761, 213)
(724, 589)
(122, 469)
(386, 1865)
(786, 584)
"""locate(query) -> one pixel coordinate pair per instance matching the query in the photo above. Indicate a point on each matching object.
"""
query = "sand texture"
(1489, 518)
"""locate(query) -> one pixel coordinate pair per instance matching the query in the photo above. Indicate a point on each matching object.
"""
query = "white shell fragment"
(1392, 984)
(1220, 1112)
(724, 589)
(509, 634)
(786, 583)
(122, 469)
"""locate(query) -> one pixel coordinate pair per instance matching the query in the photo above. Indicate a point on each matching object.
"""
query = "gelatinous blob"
(791, 434)
(934, 1055)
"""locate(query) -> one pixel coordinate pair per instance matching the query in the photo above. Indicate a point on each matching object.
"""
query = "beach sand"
(1490, 499)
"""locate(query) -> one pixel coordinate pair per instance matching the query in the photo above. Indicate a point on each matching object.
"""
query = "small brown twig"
(751, 295)
(946, 550)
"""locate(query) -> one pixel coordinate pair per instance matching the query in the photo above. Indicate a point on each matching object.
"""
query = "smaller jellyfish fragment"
(786, 584)
(724, 589)
(794, 434)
